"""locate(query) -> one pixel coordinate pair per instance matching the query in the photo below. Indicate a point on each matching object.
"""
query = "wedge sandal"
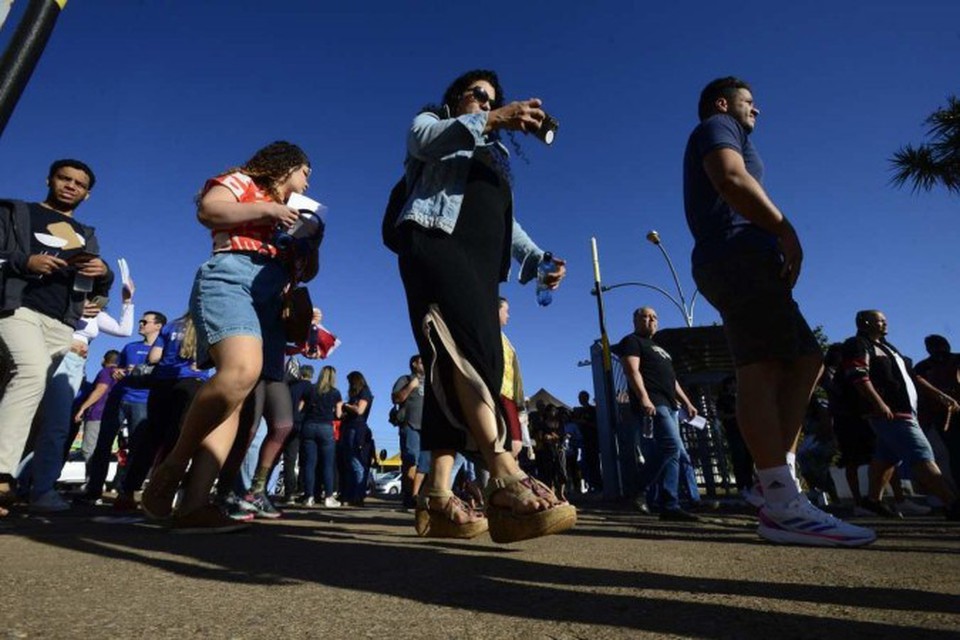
(506, 525)
(437, 517)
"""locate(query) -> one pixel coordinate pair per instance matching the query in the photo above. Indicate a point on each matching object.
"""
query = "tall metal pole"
(23, 53)
(654, 238)
(610, 450)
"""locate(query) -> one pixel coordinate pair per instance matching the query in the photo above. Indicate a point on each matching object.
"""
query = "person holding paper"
(43, 253)
(654, 391)
(236, 307)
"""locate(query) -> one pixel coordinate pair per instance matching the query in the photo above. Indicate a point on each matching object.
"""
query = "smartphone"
(81, 256)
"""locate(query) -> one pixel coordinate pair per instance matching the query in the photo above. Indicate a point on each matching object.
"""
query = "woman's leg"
(309, 433)
(209, 427)
(327, 459)
(278, 411)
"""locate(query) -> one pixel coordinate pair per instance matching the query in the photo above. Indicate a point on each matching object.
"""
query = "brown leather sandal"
(439, 515)
(507, 525)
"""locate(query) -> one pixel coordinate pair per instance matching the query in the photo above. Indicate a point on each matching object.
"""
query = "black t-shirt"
(55, 234)
(299, 391)
(656, 369)
(321, 407)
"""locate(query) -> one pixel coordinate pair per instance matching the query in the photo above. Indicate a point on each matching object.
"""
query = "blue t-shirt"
(321, 407)
(132, 354)
(717, 229)
(351, 418)
(171, 365)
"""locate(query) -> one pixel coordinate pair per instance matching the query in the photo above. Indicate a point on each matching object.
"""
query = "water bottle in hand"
(544, 295)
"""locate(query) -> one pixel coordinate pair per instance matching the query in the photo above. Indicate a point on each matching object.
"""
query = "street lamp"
(687, 312)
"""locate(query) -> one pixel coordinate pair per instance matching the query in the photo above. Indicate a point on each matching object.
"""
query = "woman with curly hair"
(457, 233)
(235, 304)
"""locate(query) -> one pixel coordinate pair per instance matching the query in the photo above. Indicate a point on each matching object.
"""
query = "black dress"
(452, 282)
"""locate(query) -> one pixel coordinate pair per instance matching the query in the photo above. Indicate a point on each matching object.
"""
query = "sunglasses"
(479, 94)
(144, 322)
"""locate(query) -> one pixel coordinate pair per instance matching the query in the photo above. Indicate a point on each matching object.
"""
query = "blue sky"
(157, 97)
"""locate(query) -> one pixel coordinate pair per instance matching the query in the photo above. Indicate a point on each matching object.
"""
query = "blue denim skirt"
(238, 294)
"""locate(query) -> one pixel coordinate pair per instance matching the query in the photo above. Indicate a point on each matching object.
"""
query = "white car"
(389, 483)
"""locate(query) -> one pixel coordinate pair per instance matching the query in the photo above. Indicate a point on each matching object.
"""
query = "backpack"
(398, 415)
(398, 197)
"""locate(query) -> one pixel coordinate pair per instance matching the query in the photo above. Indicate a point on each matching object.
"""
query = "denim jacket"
(444, 149)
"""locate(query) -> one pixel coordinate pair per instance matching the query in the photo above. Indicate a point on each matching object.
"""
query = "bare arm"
(867, 391)
(635, 380)
(219, 209)
(742, 192)
(399, 397)
(155, 354)
(98, 392)
(687, 405)
(935, 394)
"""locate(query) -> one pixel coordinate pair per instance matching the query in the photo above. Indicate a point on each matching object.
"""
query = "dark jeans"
(318, 451)
(291, 451)
(114, 414)
(168, 402)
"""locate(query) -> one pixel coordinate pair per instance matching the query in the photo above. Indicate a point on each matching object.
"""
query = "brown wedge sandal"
(438, 513)
(506, 525)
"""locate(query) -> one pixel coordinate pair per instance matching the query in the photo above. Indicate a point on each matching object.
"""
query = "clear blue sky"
(157, 97)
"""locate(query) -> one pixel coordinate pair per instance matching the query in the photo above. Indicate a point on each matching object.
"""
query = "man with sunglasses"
(127, 402)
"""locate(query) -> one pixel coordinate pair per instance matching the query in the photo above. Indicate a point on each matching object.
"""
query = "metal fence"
(701, 362)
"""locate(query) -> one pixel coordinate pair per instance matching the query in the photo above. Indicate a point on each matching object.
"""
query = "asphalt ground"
(363, 573)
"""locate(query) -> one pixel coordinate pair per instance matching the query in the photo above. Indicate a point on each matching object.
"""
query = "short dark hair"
(934, 340)
(413, 359)
(720, 88)
(72, 164)
(159, 317)
(306, 372)
(111, 356)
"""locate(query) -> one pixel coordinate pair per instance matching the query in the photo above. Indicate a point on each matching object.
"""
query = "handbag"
(296, 314)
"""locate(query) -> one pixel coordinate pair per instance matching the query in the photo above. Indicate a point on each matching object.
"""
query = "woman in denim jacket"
(457, 233)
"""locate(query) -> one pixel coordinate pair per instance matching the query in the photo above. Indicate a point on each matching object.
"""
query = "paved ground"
(353, 573)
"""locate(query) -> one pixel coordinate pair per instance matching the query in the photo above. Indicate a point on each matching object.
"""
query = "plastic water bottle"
(544, 295)
(647, 430)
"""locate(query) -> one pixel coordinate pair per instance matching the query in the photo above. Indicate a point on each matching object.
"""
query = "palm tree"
(937, 161)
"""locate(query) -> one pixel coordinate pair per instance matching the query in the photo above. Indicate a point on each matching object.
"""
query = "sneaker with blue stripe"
(800, 522)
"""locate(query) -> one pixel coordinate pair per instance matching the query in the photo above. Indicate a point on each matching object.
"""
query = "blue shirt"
(718, 230)
(171, 366)
(132, 354)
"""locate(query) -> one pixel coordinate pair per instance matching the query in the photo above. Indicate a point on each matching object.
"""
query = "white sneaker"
(910, 508)
(309, 502)
(49, 502)
(799, 522)
(754, 496)
(331, 502)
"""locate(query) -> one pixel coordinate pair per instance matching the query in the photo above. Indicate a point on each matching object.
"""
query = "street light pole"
(654, 238)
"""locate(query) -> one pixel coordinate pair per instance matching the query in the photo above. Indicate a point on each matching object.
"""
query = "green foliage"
(936, 162)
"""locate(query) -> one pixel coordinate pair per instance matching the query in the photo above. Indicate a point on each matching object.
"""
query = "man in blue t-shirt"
(746, 261)
(127, 402)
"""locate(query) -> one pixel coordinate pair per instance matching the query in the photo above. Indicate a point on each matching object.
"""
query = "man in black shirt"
(654, 390)
(888, 386)
(47, 263)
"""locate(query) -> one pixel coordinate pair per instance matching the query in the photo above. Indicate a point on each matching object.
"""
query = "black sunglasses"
(479, 94)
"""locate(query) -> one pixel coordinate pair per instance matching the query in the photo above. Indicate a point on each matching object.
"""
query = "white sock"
(779, 485)
(792, 463)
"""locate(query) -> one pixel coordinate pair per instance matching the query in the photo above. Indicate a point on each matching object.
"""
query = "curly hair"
(271, 164)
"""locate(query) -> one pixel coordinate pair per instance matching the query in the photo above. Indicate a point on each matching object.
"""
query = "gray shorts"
(761, 320)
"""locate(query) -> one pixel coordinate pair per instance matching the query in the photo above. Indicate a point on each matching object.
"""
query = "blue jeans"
(663, 463)
(55, 428)
(317, 449)
(114, 413)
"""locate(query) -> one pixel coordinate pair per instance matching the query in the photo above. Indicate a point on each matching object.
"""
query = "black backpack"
(398, 197)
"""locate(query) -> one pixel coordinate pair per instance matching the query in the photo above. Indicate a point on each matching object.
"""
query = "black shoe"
(678, 515)
(880, 509)
(641, 505)
(704, 506)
